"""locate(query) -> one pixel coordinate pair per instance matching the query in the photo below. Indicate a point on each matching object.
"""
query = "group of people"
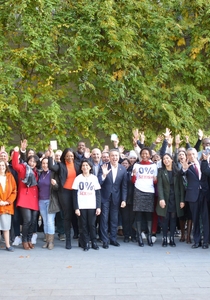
(96, 191)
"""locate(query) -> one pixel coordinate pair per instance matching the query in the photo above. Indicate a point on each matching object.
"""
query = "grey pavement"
(118, 273)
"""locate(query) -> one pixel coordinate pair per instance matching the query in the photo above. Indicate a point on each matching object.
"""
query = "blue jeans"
(48, 219)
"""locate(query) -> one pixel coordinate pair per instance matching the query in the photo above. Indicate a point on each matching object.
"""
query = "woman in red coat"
(27, 199)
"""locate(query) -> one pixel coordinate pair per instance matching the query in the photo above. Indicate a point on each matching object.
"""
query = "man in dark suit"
(113, 180)
(196, 195)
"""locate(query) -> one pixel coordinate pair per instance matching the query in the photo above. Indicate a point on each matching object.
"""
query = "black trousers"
(29, 220)
(169, 219)
(200, 209)
(88, 224)
(66, 201)
(128, 218)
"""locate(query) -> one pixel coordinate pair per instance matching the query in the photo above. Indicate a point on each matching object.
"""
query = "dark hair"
(40, 154)
(30, 149)
(175, 169)
(148, 149)
(89, 163)
(65, 151)
(126, 160)
(35, 157)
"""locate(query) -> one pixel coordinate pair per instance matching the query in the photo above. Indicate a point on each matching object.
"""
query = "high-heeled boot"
(149, 235)
(140, 240)
(68, 241)
(149, 240)
(182, 228)
(165, 242)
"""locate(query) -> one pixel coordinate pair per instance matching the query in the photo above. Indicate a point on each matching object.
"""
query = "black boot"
(149, 240)
(172, 243)
(68, 241)
(95, 246)
(140, 240)
(164, 243)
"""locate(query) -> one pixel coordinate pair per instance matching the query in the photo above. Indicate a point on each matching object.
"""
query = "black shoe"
(75, 236)
(126, 240)
(105, 245)
(172, 243)
(205, 246)
(165, 242)
(196, 245)
(68, 244)
(95, 246)
(140, 241)
(149, 240)
(114, 243)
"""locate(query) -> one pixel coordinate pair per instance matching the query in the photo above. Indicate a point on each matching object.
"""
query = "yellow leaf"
(181, 42)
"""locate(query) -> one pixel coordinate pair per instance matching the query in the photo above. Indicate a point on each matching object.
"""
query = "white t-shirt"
(145, 177)
(86, 187)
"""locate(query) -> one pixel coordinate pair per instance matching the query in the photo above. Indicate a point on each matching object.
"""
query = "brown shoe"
(25, 246)
(50, 241)
(31, 246)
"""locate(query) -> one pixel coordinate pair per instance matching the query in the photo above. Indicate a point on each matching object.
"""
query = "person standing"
(8, 192)
(196, 195)
(87, 203)
(27, 199)
(67, 170)
(113, 180)
(170, 197)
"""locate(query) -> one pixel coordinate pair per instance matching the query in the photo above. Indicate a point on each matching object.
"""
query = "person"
(8, 192)
(128, 215)
(87, 203)
(48, 202)
(67, 170)
(96, 160)
(105, 157)
(196, 194)
(144, 177)
(113, 180)
(27, 199)
(170, 197)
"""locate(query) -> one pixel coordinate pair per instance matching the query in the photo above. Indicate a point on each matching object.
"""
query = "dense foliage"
(74, 69)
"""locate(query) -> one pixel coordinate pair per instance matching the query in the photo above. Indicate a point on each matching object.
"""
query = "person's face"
(206, 143)
(2, 167)
(114, 157)
(145, 155)
(156, 158)
(69, 157)
(45, 165)
(192, 156)
(32, 163)
(167, 161)
(132, 160)
(105, 158)
(85, 168)
(125, 163)
(57, 157)
(96, 156)
(81, 147)
(47, 153)
(182, 156)
(30, 152)
(4, 157)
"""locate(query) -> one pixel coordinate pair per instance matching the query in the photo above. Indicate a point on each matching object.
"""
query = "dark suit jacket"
(118, 189)
(194, 184)
(163, 185)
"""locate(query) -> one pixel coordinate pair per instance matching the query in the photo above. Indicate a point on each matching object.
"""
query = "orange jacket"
(8, 195)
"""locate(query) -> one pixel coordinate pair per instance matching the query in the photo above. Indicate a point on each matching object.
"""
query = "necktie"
(196, 170)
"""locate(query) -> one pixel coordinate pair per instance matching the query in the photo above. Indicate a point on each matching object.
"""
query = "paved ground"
(127, 272)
